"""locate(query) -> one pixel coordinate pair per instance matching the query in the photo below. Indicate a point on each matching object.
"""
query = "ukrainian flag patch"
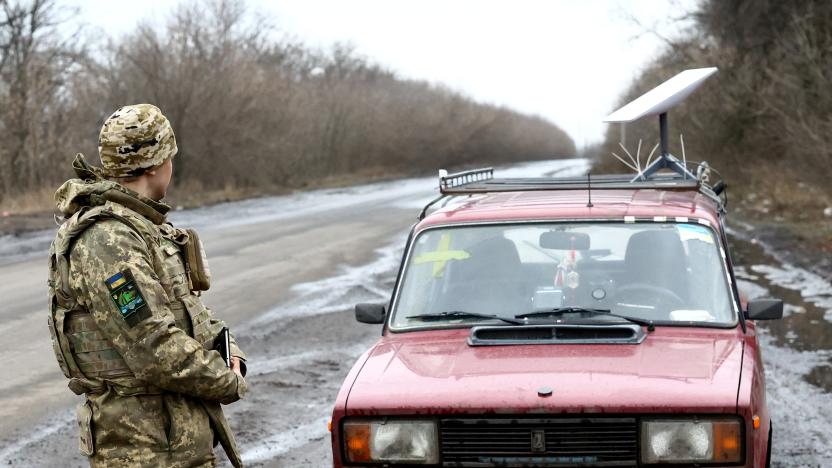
(127, 297)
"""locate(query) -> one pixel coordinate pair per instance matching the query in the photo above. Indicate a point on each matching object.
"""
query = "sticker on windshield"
(694, 232)
(691, 315)
(441, 256)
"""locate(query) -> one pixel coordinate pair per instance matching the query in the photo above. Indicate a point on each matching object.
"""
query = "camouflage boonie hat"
(134, 138)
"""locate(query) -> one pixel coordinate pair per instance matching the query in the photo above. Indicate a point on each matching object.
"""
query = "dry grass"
(773, 193)
(191, 193)
(33, 211)
(252, 113)
(36, 201)
(772, 197)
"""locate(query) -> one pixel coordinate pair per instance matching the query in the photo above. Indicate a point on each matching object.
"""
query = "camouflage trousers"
(165, 430)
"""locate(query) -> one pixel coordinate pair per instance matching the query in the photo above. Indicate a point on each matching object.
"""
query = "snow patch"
(63, 423)
(274, 364)
(812, 287)
(800, 411)
(371, 282)
(276, 445)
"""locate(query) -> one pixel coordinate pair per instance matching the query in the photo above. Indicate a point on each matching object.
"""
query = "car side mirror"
(765, 309)
(370, 313)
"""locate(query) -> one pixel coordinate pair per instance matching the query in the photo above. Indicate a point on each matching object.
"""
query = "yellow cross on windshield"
(441, 255)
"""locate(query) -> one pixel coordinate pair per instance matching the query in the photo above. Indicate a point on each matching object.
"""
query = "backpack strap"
(85, 356)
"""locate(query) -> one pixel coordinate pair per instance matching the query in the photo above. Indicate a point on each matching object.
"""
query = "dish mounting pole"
(658, 101)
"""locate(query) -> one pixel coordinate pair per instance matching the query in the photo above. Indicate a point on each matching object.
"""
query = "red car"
(562, 322)
(528, 329)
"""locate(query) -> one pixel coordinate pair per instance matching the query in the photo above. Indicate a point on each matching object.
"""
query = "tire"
(768, 449)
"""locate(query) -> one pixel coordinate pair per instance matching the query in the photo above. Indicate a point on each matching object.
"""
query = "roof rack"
(479, 181)
(482, 181)
(656, 102)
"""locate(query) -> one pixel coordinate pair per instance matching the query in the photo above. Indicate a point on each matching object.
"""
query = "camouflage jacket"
(131, 335)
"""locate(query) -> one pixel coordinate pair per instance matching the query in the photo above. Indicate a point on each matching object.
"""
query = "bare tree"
(251, 109)
(35, 62)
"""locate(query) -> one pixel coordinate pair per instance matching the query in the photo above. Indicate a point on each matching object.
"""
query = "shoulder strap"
(72, 229)
(65, 312)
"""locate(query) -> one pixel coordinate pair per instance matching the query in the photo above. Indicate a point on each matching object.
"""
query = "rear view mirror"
(765, 309)
(370, 313)
(564, 240)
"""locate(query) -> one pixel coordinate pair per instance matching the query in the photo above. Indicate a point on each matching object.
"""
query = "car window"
(666, 272)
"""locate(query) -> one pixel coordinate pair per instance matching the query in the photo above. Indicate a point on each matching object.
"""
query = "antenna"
(589, 189)
(658, 101)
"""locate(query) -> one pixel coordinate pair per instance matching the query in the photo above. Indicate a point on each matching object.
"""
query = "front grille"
(539, 442)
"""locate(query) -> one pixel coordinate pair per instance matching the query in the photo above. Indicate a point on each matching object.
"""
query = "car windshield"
(662, 272)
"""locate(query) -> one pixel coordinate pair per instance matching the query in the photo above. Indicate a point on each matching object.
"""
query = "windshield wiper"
(461, 314)
(583, 310)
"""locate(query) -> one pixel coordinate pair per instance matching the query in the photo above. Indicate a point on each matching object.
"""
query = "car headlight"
(412, 442)
(691, 441)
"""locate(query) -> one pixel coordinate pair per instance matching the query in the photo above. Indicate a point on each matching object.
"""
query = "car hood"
(673, 370)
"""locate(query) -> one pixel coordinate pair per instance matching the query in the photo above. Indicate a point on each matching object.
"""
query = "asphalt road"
(287, 271)
(258, 251)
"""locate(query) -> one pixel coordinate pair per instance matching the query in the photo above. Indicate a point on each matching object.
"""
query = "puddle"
(797, 350)
(807, 295)
(807, 322)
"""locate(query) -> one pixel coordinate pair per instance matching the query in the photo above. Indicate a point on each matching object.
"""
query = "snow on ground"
(287, 363)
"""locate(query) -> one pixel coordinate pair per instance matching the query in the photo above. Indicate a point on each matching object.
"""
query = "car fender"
(340, 407)
(751, 399)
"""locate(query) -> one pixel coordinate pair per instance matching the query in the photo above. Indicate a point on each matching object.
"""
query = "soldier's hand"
(235, 366)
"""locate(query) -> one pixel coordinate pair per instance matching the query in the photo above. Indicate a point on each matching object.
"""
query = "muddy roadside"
(301, 349)
(790, 262)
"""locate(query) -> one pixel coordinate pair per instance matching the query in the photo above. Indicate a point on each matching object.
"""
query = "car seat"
(656, 257)
(490, 281)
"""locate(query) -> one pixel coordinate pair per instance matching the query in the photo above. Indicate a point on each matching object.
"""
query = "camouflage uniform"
(127, 328)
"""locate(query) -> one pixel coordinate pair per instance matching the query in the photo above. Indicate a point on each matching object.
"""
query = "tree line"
(765, 119)
(249, 107)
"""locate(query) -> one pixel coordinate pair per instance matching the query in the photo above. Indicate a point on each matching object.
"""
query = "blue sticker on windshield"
(695, 232)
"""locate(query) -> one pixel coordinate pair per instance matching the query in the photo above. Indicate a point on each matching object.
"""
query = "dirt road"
(287, 271)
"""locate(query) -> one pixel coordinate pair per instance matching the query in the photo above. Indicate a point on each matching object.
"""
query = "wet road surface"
(288, 270)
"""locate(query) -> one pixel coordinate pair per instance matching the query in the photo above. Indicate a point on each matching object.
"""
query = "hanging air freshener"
(572, 279)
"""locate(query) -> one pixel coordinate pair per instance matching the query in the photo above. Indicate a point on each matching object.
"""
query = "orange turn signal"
(357, 441)
(329, 426)
(727, 441)
(756, 421)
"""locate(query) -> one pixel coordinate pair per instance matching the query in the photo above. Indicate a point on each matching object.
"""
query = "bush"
(768, 112)
(249, 110)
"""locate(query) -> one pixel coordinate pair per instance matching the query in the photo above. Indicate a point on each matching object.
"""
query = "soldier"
(128, 326)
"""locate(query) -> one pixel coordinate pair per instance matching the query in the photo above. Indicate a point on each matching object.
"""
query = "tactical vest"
(84, 354)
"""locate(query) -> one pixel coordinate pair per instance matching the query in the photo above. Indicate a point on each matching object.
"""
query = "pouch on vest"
(197, 262)
(86, 443)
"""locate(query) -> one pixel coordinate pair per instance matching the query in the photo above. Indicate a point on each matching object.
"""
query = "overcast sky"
(566, 60)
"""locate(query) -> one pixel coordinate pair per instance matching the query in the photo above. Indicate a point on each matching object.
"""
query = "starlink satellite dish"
(658, 101)
(663, 97)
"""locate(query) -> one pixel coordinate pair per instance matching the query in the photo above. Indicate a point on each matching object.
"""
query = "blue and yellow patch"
(127, 297)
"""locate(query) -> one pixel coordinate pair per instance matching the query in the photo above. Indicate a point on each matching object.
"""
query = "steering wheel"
(640, 290)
